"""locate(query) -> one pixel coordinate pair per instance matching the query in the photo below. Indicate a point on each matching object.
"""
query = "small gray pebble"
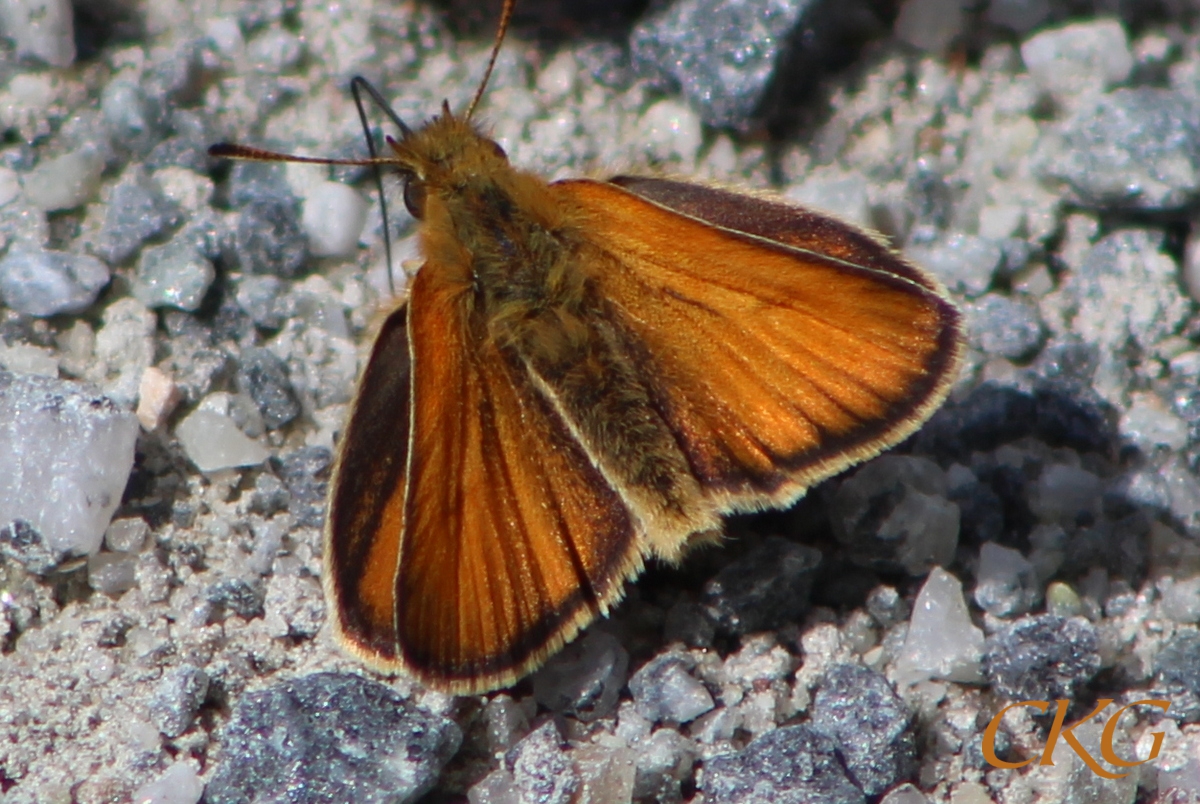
(723, 54)
(22, 543)
(688, 622)
(584, 679)
(135, 118)
(886, 606)
(1177, 671)
(43, 29)
(1130, 149)
(112, 573)
(1179, 661)
(540, 767)
(305, 472)
(268, 238)
(239, 596)
(45, 283)
(665, 760)
(1004, 326)
(966, 263)
(665, 691)
(177, 698)
(261, 297)
(175, 274)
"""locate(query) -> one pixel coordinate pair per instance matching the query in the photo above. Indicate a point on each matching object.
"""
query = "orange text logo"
(1057, 730)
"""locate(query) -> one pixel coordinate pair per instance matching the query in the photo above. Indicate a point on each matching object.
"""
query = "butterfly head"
(443, 158)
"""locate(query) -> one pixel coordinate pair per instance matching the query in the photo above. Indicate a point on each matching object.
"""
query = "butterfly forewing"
(512, 539)
(775, 366)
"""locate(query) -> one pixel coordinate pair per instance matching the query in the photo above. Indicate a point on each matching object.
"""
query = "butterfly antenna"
(505, 16)
(359, 85)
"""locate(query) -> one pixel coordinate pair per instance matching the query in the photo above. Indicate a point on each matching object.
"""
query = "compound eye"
(496, 149)
(414, 198)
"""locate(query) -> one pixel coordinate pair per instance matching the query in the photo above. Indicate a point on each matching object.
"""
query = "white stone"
(333, 219)
(832, 189)
(179, 784)
(942, 642)
(65, 182)
(68, 454)
(671, 131)
(1078, 59)
(1149, 424)
(44, 29)
(10, 185)
(214, 442)
(25, 358)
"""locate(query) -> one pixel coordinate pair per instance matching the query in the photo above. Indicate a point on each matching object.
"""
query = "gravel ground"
(179, 340)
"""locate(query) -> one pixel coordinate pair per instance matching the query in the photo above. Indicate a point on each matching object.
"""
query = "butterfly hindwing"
(365, 517)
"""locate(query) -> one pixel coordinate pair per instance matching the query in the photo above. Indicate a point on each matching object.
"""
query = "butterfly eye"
(414, 198)
(496, 149)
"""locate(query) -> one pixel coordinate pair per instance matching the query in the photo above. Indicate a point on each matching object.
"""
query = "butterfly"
(586, 375)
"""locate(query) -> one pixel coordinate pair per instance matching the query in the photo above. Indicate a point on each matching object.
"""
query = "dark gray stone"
(240, 596)
(263, 376)
(894, 514)
(982, 513)
(858, 709)
(330, 737)
(268, 238)
(1042, 658)
(790, 765)
(688, 622)
(137, 211)
(258, 181)
(585, 678)
(305, 472)
(763, 589)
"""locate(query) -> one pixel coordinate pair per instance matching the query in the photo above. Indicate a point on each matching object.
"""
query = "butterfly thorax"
(498, 231)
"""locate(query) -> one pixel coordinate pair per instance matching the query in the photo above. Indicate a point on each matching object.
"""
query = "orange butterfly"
(587, 374)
